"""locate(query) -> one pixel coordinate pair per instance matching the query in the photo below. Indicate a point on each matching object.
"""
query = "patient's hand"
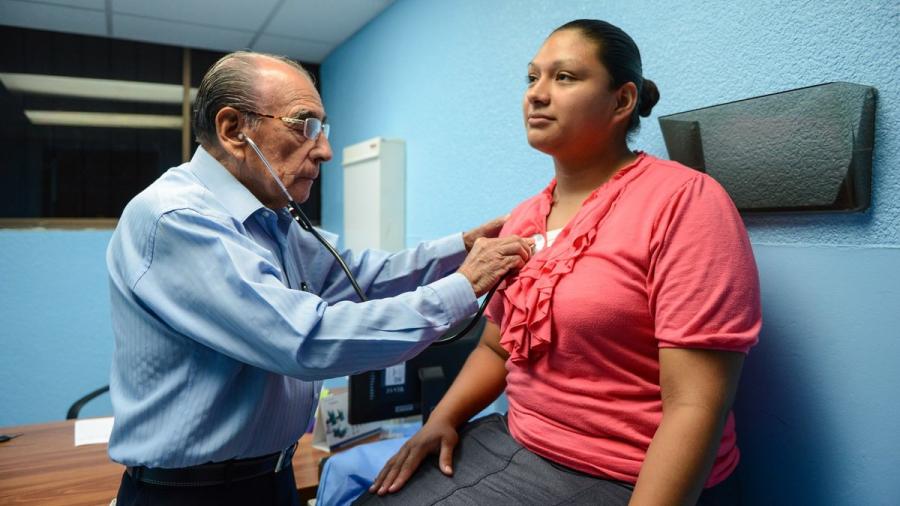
(435, 435)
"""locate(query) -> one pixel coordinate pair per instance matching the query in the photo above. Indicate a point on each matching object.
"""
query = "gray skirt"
(490, 467)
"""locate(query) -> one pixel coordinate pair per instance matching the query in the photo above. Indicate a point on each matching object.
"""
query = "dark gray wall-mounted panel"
(808, 149)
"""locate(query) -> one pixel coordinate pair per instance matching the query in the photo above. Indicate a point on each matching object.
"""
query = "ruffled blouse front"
(527, 316)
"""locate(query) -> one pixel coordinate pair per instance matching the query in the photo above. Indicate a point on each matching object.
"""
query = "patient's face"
(569, 103)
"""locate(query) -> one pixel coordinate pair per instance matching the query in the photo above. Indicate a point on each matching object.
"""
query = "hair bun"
(649, 97)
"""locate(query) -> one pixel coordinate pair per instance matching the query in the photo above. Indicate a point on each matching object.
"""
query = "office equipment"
(413, 387)
(808, 149)
(375, 195)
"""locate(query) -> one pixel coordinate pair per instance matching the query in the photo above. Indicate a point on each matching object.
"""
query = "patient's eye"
(531, 79)
(563, 76)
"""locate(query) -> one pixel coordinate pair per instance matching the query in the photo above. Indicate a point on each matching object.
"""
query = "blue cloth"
(217, 353)
(346, 475)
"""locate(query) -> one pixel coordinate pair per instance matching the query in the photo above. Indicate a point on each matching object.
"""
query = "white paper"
(395, 375)
(93, 431)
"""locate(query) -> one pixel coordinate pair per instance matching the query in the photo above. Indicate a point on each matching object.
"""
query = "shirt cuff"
(457, 295)
(450, 248)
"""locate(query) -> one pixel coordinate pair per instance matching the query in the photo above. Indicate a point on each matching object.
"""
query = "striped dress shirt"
(218, 352)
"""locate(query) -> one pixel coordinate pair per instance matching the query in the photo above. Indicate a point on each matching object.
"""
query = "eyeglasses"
(309, 127)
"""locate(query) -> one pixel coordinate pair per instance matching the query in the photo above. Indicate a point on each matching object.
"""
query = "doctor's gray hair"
(231, 81)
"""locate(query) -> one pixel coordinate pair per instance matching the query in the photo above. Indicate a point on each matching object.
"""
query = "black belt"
(215, 473)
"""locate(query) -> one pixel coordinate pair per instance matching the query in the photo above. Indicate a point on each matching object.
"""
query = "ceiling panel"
(246, 15)
(333, 21)
(55, 18)
(304, 29)
(179, 34)
(299, 49)
(97, 5)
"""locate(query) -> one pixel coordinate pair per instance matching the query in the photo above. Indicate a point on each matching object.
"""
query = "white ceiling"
(303, 29)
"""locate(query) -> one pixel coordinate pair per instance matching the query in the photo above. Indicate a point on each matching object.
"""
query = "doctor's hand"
(490, 229)
(434, 435)
(490, 259)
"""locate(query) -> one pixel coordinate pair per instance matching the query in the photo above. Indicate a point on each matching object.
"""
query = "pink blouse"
(656, 257)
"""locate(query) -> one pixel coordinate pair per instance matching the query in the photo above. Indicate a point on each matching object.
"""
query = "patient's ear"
(626, 101)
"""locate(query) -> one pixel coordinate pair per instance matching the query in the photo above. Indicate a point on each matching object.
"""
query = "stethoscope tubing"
(298, 215)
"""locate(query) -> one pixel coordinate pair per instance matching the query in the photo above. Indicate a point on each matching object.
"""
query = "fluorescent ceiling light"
(104, 119)
(103, 89)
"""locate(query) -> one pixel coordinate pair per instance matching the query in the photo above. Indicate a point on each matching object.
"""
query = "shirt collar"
(234, 196)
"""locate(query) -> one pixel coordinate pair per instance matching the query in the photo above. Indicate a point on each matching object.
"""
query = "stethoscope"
(301, 219)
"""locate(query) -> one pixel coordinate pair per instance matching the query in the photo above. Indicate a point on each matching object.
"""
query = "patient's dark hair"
(622, 59)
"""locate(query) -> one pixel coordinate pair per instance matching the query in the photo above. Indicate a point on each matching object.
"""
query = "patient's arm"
(481, 380)
(698, 387)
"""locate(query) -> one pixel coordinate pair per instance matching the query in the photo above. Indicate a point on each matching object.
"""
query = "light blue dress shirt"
(218, 353)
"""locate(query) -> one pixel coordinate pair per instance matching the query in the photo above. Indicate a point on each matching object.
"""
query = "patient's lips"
(538, 119)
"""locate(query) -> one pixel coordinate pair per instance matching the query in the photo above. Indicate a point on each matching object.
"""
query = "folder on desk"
(332, 430)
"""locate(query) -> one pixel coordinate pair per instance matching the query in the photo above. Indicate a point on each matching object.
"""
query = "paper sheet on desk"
(93, 431)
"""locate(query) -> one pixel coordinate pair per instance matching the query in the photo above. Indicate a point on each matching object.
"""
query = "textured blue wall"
(815, 412)
(55, 332)
(448, 78)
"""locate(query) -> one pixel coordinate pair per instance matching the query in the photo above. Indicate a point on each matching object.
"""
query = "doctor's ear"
(229, 130)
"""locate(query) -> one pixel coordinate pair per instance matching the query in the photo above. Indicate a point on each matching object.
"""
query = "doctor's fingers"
(492, 227)
(515, 245)
(505, 246)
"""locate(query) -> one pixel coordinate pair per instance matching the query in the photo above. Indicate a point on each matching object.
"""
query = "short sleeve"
(703, 284)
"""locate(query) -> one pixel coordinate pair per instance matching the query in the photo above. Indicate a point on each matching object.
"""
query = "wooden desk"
(43, 466)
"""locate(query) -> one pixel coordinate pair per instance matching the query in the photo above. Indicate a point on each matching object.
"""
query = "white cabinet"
(375, 195)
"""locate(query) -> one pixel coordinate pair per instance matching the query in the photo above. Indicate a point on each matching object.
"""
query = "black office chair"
(77, 405)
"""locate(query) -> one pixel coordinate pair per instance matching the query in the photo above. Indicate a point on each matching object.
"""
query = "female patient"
(620, 343)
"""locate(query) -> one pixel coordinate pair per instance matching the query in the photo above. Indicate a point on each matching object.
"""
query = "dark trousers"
(490, 467)
(272, 489)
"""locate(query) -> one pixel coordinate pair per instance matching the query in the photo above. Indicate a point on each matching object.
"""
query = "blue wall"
(817, 420)
(55, 334)
(448, 77)
(815, 417)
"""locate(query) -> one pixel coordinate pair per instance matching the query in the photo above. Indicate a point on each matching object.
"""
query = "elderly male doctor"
(226, 314)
